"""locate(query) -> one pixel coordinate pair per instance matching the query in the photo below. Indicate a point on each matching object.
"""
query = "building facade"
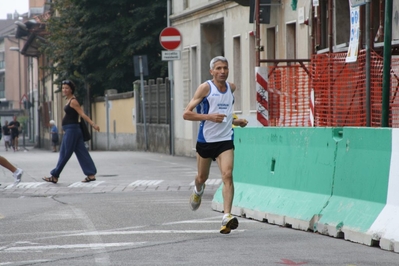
(212, 28)
(13, 71)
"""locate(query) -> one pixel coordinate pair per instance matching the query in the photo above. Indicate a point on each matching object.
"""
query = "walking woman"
(72, 141)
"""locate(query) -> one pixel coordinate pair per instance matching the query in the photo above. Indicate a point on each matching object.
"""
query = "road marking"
(75, 246)
(209, 182)
(88, 184)
(102, 257)
(27, 262)
(208, 222)
(216, 219)
(25, 185)
(138, 183)
(290, 262)
(144, 232)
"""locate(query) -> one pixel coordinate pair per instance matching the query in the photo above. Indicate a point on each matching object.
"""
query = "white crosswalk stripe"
(138, 183)
(210, 182)
(25, 185)
(89, 184)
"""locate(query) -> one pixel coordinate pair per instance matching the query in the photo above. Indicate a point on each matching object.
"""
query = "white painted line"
(219, 221)
(148, 232)
(26, 262)
(209, 182)
(216, 219)
(75, 246)
(88, 184)
(25, 185)
(138, 183)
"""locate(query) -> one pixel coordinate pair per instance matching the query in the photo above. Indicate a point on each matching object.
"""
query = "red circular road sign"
(170, 38)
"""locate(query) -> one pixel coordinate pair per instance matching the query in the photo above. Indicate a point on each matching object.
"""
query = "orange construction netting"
(330, 92)
(289, 96)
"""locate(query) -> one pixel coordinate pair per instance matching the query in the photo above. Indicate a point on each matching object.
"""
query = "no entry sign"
(170, 38)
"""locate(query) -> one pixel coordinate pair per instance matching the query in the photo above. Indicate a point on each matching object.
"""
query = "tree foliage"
(93, 42)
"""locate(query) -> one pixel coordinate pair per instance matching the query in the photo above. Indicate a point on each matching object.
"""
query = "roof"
(7, 27)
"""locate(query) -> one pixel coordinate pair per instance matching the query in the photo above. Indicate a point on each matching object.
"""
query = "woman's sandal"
(87, 180)
(51, 179)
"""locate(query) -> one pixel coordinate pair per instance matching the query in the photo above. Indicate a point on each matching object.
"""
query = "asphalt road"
(137, 213)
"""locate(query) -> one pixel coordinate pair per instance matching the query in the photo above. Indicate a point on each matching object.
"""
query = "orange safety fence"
(289, 95)
(339, 92)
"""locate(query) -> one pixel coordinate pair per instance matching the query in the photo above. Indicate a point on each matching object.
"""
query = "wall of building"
(15, 74)
(222, 28)
(121, 133)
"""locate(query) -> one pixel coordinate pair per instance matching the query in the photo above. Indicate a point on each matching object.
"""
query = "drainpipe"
(318, 29)
(330, 26)
(368, 61)
(257, 34)
(386, 78)
(312, 30)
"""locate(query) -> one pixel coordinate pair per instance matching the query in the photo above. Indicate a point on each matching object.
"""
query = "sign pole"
(172, 102)
(143, 100)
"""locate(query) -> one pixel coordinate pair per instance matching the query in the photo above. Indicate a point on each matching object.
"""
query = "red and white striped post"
(311, 108)
(262, 96)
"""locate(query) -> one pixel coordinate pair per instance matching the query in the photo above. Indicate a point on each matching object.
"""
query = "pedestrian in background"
(6, 135)
(214, 101)
(14, 126)
(54, 135)
(72, 141)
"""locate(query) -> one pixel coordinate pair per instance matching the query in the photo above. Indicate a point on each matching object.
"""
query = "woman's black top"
(71, 116)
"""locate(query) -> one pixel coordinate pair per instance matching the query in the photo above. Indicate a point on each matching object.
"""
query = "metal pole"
(368, 82)
(386, 78)
(19, 71)
(107, 118)
(23, 136)
(257, 33)
(171, 82)
(143, 100)
(30, 100)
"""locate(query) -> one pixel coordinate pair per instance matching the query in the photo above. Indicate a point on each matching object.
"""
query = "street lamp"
(13, 48)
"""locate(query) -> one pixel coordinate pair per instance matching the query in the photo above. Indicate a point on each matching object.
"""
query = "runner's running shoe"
(195, 198)
(17, 175)
(229, 223)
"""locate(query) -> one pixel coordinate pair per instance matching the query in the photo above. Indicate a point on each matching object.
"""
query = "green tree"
(93, 42)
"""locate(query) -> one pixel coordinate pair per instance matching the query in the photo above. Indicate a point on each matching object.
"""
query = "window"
(2, 87)
(2, 64)
(271, 44)
(291, 41)
(186, 4)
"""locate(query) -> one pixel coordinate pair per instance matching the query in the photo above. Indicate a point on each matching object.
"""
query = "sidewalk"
(117, 171)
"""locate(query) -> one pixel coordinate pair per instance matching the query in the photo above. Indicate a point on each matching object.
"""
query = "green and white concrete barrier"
(386, 225)
(331, 180)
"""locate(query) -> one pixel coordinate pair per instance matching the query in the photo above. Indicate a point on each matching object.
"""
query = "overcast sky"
(9, 6)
